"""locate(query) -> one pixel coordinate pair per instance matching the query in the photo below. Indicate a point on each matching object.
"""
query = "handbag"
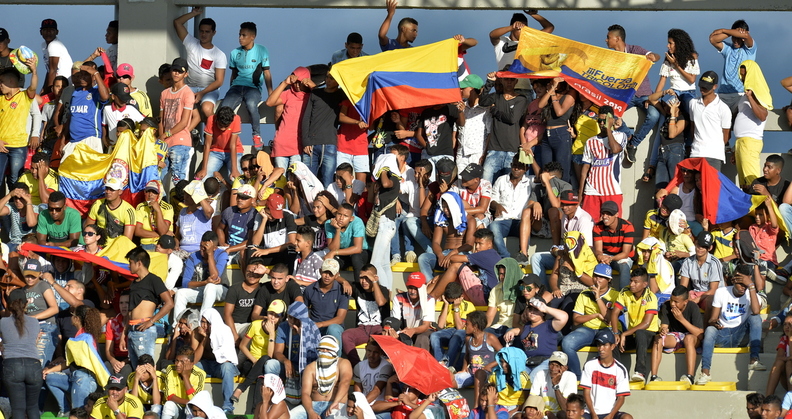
(372, 225)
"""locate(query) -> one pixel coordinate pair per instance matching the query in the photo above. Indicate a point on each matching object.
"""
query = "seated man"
(113, 214)
(326, 300)
(204, 280)
(279, 287)
(604, 381)
(510, 195)
(238, 309)
(274, 234)
(554, 385)
(702, 273)
(118, 403)
(237, 221)
(613, 241)
(41, 179)
(19, 216)
(734, 309)
(477, 287)
(309, 263)
(476, 193)
(325, 383)
(147, 384)
(639, 305)
(371, 375)
(182, 380)
(59, 225)
(217, 352)
(372, 303)
(346, 241)
(415, 317)
(681, 325)
(449, 237)
(154, 216)
(548, 189)
(453, 317)
(346, 188)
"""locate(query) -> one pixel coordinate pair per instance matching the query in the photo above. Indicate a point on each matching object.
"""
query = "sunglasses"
(51, 209)
(602, 121)
(243, 198)
(526, 288)
(88, 233)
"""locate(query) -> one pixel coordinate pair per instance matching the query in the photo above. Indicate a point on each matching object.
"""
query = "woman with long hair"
(680, 67)
(558, 103)
(80, 377)
(22, 375)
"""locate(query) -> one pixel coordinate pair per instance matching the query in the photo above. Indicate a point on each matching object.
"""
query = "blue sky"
(297, 37)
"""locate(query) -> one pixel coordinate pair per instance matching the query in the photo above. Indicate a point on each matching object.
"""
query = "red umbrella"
(103, 262)
(415, 367)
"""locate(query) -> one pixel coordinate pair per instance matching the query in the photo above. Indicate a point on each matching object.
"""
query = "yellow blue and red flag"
(401, 79)
(605, 76)
(134, 161)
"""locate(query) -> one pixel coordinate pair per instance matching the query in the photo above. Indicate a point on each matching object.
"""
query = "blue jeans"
(497, 163)
(652, 116)
(557, 146)
(668, 157)
(540, 263)
(273, 366)
(220, 159)
(731, 338)
(427, 263)
(450, 337)
(502, 229)
(412, 226)
(15, 158)
(22, 380)
(47, 342)
(252, 97)
(78, 383)
(623, 266)
(323, 162)
(334, 330)
(396, 240)
(381, 252)
(319, 407)
(178, 162)
(139, 343)
(285, 162)
(228, 372)
(580, 337)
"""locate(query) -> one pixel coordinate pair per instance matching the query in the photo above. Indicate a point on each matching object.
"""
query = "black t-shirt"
(438, 129)
(691, 313)
(388, 195)
(320, 243)
(320, 119)
(777, 191)
(64, 320)
(276, 232)
(147, 289)
(242, 301)
(267, 294)
(368, 312)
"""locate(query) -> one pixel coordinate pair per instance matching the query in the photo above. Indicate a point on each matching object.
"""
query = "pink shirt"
(172, 105)
(287, 137)
(765, 237)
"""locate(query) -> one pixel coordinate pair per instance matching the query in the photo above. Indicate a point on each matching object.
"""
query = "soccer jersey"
(464, 309)
(131, 407)
(259, 339)
(655, 224)
(14, 113)
(124, 215)
(175, 386)
(637, 308)
(585, 305)
(145, 218)
(605, 172)
(113, 114)
(511, 396)
(723, 243)
(144, 392)
(484, 190)
(221, 139)
(250, 65)
(605, 384)
(51, 181)
(86, 114)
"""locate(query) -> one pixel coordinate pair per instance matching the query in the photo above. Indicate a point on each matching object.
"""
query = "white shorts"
(359, 163)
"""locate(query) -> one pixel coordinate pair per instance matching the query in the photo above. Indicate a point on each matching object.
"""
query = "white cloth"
(604, 176)
(112, 115)
(676, 79)
(57, 49)
(203, 400)
(734, 310)
(580, 222)
(310, 184)
(175, 268)
(221, 338)
(512, 198)
(610, 383)
(202, 62)
(368, 377)
(472, 136)
(357, 189)
(746, 124)
(709, 122)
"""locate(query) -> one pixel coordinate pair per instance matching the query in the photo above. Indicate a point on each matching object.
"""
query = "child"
(677, 239)
(480, 350)
(657, 220)
(488, 397)
(681, 325)
(765, 234)
(454, 314)
(310, 263)
(782, 367)
(575, 406)
(115, 351)
(724, 250)
(639, 306)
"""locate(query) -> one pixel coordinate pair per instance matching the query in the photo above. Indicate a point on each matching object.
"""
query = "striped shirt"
(484, 190)
(613, 241)
(605, 172)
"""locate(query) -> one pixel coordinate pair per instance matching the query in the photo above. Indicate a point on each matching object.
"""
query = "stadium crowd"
(439, 187)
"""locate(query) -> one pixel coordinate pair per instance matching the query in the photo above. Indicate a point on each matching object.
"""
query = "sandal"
(648, 174)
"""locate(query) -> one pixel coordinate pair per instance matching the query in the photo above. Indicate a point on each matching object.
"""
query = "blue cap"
(603, 270)
(604, 336)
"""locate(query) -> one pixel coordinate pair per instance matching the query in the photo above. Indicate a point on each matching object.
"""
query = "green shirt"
(59, 232)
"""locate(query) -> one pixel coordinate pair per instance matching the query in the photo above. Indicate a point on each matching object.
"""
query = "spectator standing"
(90, 94)
(408, 30)
(176, 106)
(15, 104)
(750, 120)
(600, 178)
(22, 376)
(125, 74)
(507, 108)
(506, 45)
(353, 48)
(291, 96)
(711, 120)
(742, 47)
(319, 128)
(478, 124)
(55, 56)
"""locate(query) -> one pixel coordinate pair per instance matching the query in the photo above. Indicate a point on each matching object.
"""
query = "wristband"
(170, 398)
(190, 392)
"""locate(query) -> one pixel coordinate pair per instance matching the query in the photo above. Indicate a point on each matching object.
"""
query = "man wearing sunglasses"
(125, 74)
(59, 225)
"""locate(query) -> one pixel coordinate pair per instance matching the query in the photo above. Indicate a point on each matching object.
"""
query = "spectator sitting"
(118, 401)
(301, 188)
(327, 390)
(613, 241)
(167, 246)
(251, 175)
(119, 108)
(116, 340)
(702, 273)
(183, 330)
(20, 215)
(414, 315)
(346, 239)
(345, 187)
(309, 263)
(113, 214)
(651, 256)
(681, 325)
(41, 179)
(477, 287)
(195, 218)
(771, 407)
(605, 397)
(656, 221)
(273, 399)
(279, 287)
(488, 399)
(555, 385)
(205, 280)
(449, 237)
(510, 195)
(548, 190)
(453, 316)
(753, 405)
(324, 208)
(510, 378)
(677, 239)
(500, 304)
(147, 384)
(238, 308)
(765, 234)
(480, 350)
(182, 381)
(372, 303)
(274, 234)
(371, 376)
(154, 216)
(217, 352)
(258, 347)
(59, 225)
(296, 343)
(639, 306)
(237, 222)
(202, 406)
(328, 301)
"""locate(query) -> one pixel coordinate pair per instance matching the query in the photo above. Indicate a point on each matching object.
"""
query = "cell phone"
(670, 100)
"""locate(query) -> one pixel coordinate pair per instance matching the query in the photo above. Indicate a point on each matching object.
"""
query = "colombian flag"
(134, 161)
(722, 200)
(81, 351)
(401, 79)
(604, 76)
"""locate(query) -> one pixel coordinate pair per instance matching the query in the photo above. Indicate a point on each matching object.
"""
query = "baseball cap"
(275, 204)
(569, 198)
(121, 91)
(704, 239)
(472, 171)
(534, 401)
(3, 35)
(277, 306)
(530, 279)
(416, 279)
(392, 322)
(115, 382)
(179, 64)
(609, 207)
(559, 357)
(605, 336)
(330, 265)
(472, 80)
(49, 24)
(114, 183)
(167, 242)
(672, 202)
(603, 270)
(446, 170)
(32, 267)
(125, 70)
(153, 186)
(708, 79)
(246, 191)
(17, 294)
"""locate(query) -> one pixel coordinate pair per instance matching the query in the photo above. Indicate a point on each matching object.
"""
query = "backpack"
(113, 226)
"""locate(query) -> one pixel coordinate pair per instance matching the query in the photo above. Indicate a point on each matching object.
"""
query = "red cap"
(275, 204)
(416, 279)
(125, 70)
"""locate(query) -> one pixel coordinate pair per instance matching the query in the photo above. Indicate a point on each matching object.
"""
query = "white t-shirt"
(112, 115)
(734, 310)
(710, 121)
(746, 124)
(112, 54)
(368, 377)
(543, 386)
(505, 58)
(677, 81)
(357, 189)
(512, 198)
(57, 49)
(605, 383)
(202, 62)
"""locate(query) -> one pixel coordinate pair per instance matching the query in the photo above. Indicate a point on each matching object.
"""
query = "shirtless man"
(146, 293)
(321, 380)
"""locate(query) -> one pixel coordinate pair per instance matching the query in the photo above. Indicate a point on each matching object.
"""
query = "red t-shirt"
(287, 137)
(221, 138)
(351, 139)
(114, 332)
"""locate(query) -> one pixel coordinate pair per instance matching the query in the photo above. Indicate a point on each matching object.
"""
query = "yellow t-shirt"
(145, 217)
(142, 101)
(586, 127)
(653, 224)
(511, 397)
(175, 386)
(125, 215)
(132, 407)
(505, 307)
(585, 305)
(464, 309)
(50, 181)
(13, 119)
(723, 243)
(636, 309)
(259, 339)
(679, 243)
(143, 395)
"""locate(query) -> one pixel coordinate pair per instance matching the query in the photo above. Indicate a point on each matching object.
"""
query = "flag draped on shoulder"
(400, 79)
(605, 76)
(134, 161)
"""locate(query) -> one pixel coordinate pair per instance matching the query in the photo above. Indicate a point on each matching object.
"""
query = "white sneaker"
(395, 259)
(410, 257)
(757, 366)
(687, 378)
(637, 377)
(703, 379)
